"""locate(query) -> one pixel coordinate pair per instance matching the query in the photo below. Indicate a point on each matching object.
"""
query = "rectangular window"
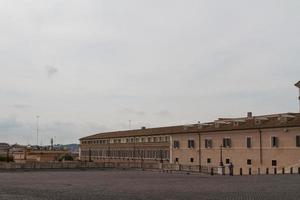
(176, 144)
(166, 138)
(191, 159)
(298, 141)
(226, 142)
(191, 144)
(176, 159)
(208, 160)
(208, 143)
(274, 162)
(249, 162)
(274, 141)
(249, 142)
(227, 161)
(149, 139)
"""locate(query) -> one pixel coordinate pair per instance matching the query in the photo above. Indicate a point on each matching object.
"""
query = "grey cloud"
(129, 111)
(51, 71)
(154, 62)
(95, 127)
(21, 106)
(163, 113)
(9, 123)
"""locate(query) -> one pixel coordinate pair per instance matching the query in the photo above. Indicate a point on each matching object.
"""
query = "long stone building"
(253, 144)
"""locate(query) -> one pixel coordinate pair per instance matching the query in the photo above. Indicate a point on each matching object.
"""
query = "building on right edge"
(253, 144)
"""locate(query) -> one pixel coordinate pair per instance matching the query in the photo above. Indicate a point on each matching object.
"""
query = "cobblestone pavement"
(121, 184)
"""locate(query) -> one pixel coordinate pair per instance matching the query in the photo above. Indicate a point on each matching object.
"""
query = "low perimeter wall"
(75, 165)
(166, 167)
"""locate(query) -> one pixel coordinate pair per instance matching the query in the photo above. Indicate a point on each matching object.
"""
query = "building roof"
(298, 84)
(4, 145)
(222, 124)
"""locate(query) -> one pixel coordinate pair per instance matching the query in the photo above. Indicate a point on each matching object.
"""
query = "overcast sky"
(91, 66)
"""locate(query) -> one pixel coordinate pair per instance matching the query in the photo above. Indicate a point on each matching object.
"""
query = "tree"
(66, 157)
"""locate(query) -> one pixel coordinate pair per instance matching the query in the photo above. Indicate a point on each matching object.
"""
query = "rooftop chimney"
(249, 114)
(143, 128)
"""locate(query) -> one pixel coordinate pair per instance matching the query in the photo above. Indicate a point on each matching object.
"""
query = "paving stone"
(122, 184)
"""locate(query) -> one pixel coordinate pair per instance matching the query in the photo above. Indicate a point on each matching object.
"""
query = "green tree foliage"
(4, 159)
(66, 157)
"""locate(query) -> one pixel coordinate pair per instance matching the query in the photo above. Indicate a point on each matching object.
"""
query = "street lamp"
(37, 130)
(298, 86)
(221, 169)
(221, 156)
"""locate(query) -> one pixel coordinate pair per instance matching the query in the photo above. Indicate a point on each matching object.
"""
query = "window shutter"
(298, 140)
(276, 141)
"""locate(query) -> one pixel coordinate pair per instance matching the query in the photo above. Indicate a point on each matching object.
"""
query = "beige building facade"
(253, 144)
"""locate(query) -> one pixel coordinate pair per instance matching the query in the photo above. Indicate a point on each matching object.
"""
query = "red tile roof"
(225, 124)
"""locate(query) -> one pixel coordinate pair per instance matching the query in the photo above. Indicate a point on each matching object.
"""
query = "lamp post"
(298, 86)
(90, 155)
(221, 156)
(37, 130)
(221, 165)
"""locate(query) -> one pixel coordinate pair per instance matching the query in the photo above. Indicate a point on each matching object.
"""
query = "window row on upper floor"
(190, 144)
(128, 140)
(227, 142)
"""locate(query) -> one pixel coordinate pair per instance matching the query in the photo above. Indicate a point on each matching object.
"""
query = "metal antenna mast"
(37, 130)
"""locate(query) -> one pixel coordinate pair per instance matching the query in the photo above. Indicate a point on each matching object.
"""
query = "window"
(249, 162)
(249, 142)
(191, 144)
(227, 161)
(191, 159)
(235, 123)
(298, 141)
(208, 143)
(257, 122)
(143, 139)
(274, 141)
(208, 160)
(176, 159)
(274, 162)
(167, 138)
(154, 139)
(176, 144)
(149, 139)
(226, 142)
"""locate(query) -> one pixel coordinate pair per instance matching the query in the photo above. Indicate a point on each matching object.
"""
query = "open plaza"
(132, 184)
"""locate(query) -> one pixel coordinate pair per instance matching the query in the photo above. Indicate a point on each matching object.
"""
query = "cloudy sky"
(90, 66)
